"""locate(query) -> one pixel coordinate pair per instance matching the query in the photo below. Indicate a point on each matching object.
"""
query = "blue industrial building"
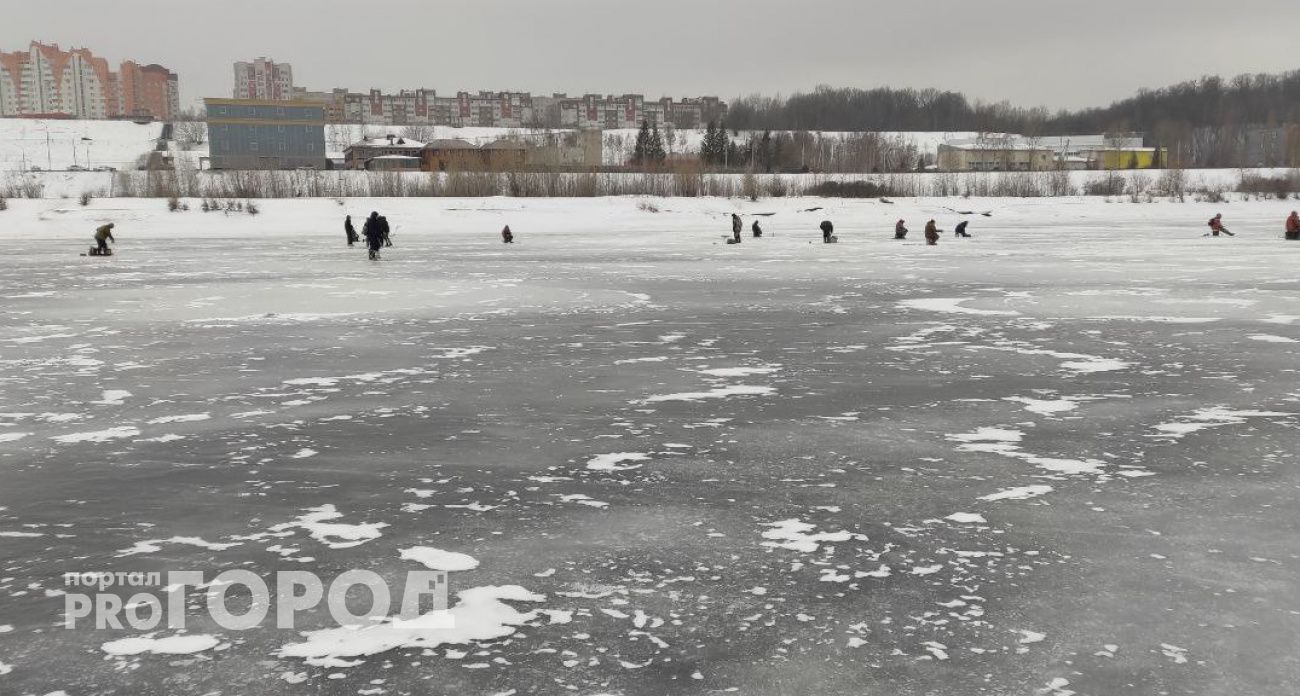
(256, 134)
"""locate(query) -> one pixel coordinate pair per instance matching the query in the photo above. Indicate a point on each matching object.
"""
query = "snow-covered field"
(1057, 458)
(57, 144)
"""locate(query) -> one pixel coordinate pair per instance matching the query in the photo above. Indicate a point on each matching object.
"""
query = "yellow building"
(1127, 158)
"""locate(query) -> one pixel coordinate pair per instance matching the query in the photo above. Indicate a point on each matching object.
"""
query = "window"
(252, 146)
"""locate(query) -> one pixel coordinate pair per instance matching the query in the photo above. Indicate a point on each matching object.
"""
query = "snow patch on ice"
(117, 433)
(1004, 442)
(113, 397)
(1018, 493)
(155, 545)
(952, 305)
(336, 535)
(740, 371)
(437, 559)
(797, 535)
(170, 645)
(1269, 338)
(719, 393)
(481, 614)
(1214, 417)
(187, 418)
(613, 461)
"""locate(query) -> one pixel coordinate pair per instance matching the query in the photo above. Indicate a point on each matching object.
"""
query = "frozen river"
(1059, 457)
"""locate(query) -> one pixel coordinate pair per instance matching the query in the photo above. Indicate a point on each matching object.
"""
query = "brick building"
(46, 80)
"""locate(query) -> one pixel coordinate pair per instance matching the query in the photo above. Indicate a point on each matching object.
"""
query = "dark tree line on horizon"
(1205, 122)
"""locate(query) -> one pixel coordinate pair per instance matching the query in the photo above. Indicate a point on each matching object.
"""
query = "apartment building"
(46, 80)
(263, 78)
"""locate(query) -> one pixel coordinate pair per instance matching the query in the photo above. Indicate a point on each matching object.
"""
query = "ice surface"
(746, 454)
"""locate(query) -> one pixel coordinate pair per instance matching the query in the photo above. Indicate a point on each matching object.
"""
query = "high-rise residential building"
(45, 80)
(148, 90)
(264, 79)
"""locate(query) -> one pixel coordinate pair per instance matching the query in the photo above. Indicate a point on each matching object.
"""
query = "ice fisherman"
(1293, 226)
(384, 230)
(736, 227)
(507, 237)
(827, 231)
(104, 235)
(758, 231)
(1216, 226)
(900, 230)
(961, 229)
(373, 232)
(350, 230)
(931, 233)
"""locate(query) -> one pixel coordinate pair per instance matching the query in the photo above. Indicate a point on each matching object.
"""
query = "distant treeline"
(1248, 120)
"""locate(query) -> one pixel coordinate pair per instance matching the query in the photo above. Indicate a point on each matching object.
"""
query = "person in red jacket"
(1293, 226)
(1216, 226)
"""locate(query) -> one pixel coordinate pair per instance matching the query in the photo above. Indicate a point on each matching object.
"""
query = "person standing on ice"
(1216, 226)
(736, 227)
(900, 230)
(961, 229)
(758, 231)
(383, 231)
(1293, 226)
(374, 235)
(931, 233)
(104, 235)
(507, 237)
(350, 230)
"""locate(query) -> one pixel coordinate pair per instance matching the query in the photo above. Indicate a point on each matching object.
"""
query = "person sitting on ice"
(931, 233)
(736, 227)
(104, 235)
(758, 231)
(1293, 226)
(507, 237)
(1216, 226)
(900, 230)
(827, 231)
(961, 229)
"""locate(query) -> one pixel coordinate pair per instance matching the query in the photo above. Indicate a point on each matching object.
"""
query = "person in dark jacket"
(1293, 226)
(736, 227)
(1216, 226)
(350, 230)
(828, 231)
(374, 235)
(507, 237)
(384, 230)
(900, 230)
(758, 231)
(104, 235)
(961, 229)
(931, 233)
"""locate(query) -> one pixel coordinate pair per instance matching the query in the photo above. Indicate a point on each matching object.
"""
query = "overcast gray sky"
(1055, 53)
